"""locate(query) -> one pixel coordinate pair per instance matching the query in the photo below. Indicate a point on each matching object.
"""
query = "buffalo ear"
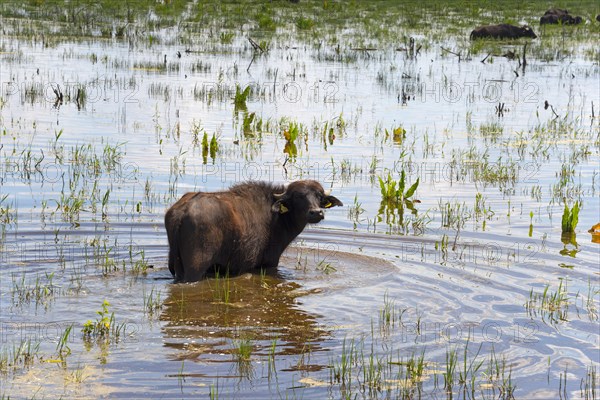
(279, 207)
(331, 201)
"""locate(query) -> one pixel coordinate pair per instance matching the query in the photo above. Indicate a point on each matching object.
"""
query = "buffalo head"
(305, 200)
(528, 32)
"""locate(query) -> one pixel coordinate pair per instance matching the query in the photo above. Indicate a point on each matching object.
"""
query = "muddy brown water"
(135, 139)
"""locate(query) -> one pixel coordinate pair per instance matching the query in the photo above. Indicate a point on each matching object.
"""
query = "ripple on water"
(316, 298)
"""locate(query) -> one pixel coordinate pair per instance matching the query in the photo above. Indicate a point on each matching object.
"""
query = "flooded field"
(460, 266)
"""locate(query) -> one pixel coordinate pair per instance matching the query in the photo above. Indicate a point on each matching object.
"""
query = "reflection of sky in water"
(127, 104)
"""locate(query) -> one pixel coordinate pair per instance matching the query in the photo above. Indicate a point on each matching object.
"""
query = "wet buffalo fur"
(247, 227)
(502, 31)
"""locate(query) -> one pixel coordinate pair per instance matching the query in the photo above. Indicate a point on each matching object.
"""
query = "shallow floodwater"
(479, 271)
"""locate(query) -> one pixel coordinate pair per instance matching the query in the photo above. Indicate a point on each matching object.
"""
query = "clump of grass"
(104, 328)
(304, 23)
(70, 205)
(39, 292)
(482, 211)
(226, 37)
(386, 314)
(373, 371)
(398, 135)
(291, 134)
(159, 66)
(20, 356)
(205, 148)
(355, 211)
(243, 349)
(240, 98)
(491, 131)
(7, 215)
(503, 174)
(570, 218)
(247, 124)
(214, 147)
(242, 353)
(551, 305)
(450, 372)
(411, 373)
(415, 367)
(138, 265)
(389, 314)
(62, 348)
(395, 198)
(252, 125)
(152, 302)
(497, 374)
(266, 22)
(103, 255)
(326, 267)
(222, 289)
(341, 371)
(454, 214)
(328, 135)
(468, 374)
(392, 191)
(209, 147)
(530, 233)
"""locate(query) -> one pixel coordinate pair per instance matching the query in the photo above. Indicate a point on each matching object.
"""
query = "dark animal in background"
(247, 227)
(598, 17)
(556, 11)
(557, 15)
(502, 31)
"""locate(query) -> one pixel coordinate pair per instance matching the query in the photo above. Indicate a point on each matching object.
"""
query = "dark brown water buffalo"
(557, 15)
(502, 31)
(246, 227)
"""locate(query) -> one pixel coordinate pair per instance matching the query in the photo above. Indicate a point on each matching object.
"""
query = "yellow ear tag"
(328, 205)
(283, 209)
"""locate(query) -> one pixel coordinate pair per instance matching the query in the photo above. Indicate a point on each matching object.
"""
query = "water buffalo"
(502, 31)
(557, 15)
(247, 227)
